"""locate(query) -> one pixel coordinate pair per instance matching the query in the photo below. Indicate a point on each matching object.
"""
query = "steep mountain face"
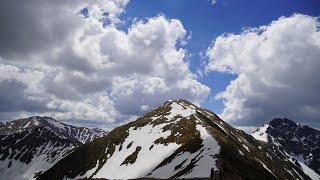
(301, 142)
(82, 134)
(177, 140)
(33, 145)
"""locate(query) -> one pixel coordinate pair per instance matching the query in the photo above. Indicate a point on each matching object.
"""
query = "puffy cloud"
(96, 107)
(213, 2)
(16, 85)
(158, 70)
(38, 26)
(30, 91)
(277, 67)
(137, 93)
(82, 68)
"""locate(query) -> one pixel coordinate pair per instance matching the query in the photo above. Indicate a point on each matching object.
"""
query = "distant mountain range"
(31, 146)
(300, 141)
(176, 140)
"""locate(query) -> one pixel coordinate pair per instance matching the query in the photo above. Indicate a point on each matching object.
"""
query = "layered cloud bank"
(277, 68)
(84, 62)
(72, 62)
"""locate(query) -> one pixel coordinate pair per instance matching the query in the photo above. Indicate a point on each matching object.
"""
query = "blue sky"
(104, 63)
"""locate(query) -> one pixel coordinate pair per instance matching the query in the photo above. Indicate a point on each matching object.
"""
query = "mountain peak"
(176, 140)
(32, 145)
(282, 121)
(181, 102)
(79, 135)
(302, 142)
(154, 142)
(180, 108)
(262, 133)
(177, 100)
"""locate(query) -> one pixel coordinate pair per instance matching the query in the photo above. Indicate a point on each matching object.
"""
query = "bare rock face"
(300, 141)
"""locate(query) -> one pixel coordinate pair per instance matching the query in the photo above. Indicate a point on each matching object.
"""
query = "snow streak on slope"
(40, 163)
(142, 140)
(299, 143)
(82, 134)
(25, 154)
(203, 159)
(33, 145)
(309, 172)
(305, 169)
(206, 158)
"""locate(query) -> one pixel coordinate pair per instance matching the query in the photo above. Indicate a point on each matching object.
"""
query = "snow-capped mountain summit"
(82, 134)
(176, 140)
(31, 146)
(300, 141)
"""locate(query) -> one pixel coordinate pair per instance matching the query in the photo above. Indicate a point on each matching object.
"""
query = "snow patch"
(177, 109)
(207, 162)
(146, 159)
(221, 128)
(309, 172)
(261, 133)
(204, 159)
(41, 161)
(55, 123)
(27, 125)
(264, 166)
(246, 147)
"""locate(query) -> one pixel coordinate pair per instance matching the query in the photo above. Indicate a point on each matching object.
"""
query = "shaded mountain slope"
(82, 134)
(31, 146)
(300, 141)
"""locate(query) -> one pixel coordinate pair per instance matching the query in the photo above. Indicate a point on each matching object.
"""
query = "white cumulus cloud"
(213, 2)
(277, 68)
(83, 68)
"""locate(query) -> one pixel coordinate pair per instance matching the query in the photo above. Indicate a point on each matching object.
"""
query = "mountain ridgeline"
(178, 140)
(300, 141)
(31, 146)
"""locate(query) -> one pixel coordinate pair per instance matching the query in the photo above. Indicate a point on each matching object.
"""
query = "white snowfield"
(180, 110)
(313, 175)
(204, 157)
(82, 134)
(146, 159)
(261, 134)
(152, 154)
(308, 171)
(45, 156)
(41, 162)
